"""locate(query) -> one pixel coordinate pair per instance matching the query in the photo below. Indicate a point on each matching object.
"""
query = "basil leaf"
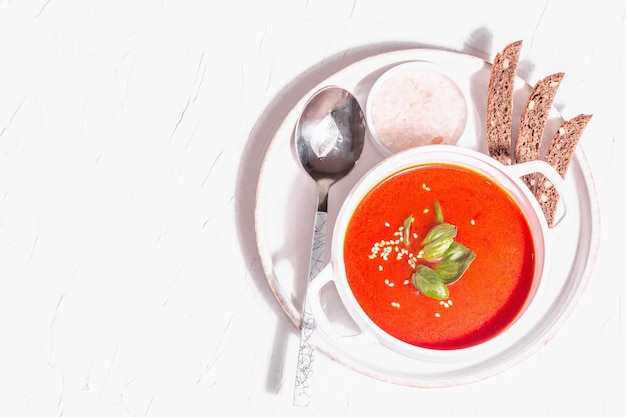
(438, 240)
(406, 232)
(435, 250)
(438, 212)
(455, 262)
(428, 282)
(442, 230)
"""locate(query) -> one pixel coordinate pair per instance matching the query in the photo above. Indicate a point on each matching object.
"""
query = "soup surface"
(379, 264)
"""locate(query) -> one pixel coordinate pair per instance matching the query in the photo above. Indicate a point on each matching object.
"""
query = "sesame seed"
(473, 222)
(450, 302)
(387, 224)
(437, 315)
(395, 304)
(406, 282)
(380, 267)
(426, 211)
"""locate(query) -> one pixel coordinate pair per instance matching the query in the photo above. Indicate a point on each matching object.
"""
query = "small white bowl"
(413, 104)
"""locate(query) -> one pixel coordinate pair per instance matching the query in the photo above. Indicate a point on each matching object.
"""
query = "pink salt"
(418, 106)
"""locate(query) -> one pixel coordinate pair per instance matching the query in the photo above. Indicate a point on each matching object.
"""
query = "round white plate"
(286, 202)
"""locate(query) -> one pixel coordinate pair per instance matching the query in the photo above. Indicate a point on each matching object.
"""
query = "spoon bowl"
(329, 137)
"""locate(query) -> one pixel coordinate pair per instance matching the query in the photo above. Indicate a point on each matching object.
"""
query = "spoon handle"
(302, 389)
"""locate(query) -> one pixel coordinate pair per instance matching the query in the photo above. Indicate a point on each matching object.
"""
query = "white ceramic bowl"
(508, 178)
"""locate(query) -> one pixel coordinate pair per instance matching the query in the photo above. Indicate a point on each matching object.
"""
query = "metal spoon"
(329, 139)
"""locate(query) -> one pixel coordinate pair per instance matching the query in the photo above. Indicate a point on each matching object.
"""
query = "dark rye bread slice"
(559, 155)
(500, 102)
(533, 122)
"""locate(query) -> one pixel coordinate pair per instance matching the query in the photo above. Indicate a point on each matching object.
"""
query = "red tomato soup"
(379, 266)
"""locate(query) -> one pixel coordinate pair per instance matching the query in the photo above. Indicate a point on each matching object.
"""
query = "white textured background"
(129, 281)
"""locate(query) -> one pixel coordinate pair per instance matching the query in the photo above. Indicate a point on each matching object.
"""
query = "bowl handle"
(323, 324)
(542, 167)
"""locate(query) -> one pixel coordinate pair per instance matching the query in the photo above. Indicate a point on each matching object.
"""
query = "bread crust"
(500, 102)
(559, 155)
(533, 122)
